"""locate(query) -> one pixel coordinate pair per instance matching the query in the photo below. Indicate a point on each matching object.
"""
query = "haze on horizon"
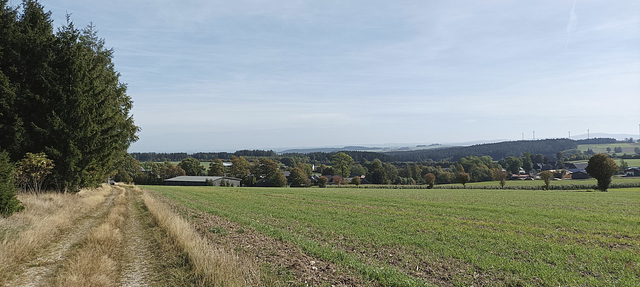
(231, 75)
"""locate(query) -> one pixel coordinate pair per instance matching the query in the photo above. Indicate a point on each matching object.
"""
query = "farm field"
(447, 237)
(532, 183)
(628, 148)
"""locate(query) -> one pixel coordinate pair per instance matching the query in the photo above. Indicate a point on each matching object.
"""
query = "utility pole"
(522, 136)
(534, 135)
(588, 134)
(569, 134)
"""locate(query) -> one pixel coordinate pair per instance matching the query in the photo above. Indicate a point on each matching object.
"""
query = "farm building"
(633, 171)
(202, 181)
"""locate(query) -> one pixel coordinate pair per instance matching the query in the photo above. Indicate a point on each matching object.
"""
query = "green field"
(628, 148)
(531, 183)
(445, 237)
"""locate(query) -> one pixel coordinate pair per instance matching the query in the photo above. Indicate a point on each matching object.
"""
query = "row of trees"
(60, 94)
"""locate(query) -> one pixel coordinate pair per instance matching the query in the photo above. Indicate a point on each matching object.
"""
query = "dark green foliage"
(602, 168)
(61, 95)
(191, 166)
(463, 178)
(322, 181)
(298, 177)
(377, 173)
(355, 180)
(8, 201)
(512, 164)
(430, 179)
(341, 163)
(216, 168)
(495, 150)
(597, 141)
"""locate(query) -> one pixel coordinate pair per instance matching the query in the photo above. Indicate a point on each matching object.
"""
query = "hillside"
(548, 147)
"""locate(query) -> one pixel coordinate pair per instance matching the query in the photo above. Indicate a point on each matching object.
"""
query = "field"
(628, 148)
(533, 183)
(428, 237)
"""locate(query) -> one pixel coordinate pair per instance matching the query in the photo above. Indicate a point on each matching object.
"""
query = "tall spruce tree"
(63, 97)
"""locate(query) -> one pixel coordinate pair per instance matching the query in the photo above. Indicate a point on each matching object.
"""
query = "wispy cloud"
(573, 22)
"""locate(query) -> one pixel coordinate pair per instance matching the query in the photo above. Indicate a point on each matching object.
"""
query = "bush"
(322, 181)
(8, 201)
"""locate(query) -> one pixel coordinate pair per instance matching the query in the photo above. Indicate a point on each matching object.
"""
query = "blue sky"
(228, 75)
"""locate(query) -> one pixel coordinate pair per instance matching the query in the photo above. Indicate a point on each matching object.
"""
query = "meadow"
(628, 148)
(445, 237)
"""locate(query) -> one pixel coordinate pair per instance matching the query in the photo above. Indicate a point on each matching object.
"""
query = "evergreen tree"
(8, 201)
(61, 95)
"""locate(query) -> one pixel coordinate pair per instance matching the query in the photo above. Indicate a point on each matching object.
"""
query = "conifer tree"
(61, 95)
(8, 201)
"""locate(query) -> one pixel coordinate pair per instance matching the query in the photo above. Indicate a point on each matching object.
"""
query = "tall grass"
(95, 262)
(213, 265)
(46, 216)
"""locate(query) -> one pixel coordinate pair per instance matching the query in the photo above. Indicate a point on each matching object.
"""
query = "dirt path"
(138, 261)
(40, 272)
(138, 257)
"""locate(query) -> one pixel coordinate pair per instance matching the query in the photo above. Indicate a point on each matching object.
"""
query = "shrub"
(322, 181)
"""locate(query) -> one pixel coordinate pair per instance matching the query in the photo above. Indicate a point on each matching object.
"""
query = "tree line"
(495, 150)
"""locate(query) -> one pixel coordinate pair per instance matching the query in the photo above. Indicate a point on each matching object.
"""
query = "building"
(633, 171)
(203, 181)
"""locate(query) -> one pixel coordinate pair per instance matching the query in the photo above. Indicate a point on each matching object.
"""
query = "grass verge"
(213, 265)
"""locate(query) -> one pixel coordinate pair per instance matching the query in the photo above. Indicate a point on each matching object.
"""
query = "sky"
(229, 75)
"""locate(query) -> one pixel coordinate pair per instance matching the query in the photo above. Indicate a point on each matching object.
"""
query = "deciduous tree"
(602, 168)
(322, 181)
(239, 167)
(341, 163)
(191, 166)
(499, 175)
(356, 180)
(546, 176)
(430, 179)
(32, 171)
(463, 178)
(216, 168)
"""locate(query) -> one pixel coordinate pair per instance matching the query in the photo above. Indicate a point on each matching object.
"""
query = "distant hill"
(331, 149)
(548, 147)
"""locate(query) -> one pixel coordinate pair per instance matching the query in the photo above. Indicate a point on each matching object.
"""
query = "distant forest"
(497, 151)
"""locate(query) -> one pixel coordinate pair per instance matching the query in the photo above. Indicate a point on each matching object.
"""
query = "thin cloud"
(573, 22)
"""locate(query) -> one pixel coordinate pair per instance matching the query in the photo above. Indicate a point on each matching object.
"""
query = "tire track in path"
(137, 263)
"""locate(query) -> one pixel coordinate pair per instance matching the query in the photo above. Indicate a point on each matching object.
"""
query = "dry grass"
(95, 262)
(214, 266)
(46, 216)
